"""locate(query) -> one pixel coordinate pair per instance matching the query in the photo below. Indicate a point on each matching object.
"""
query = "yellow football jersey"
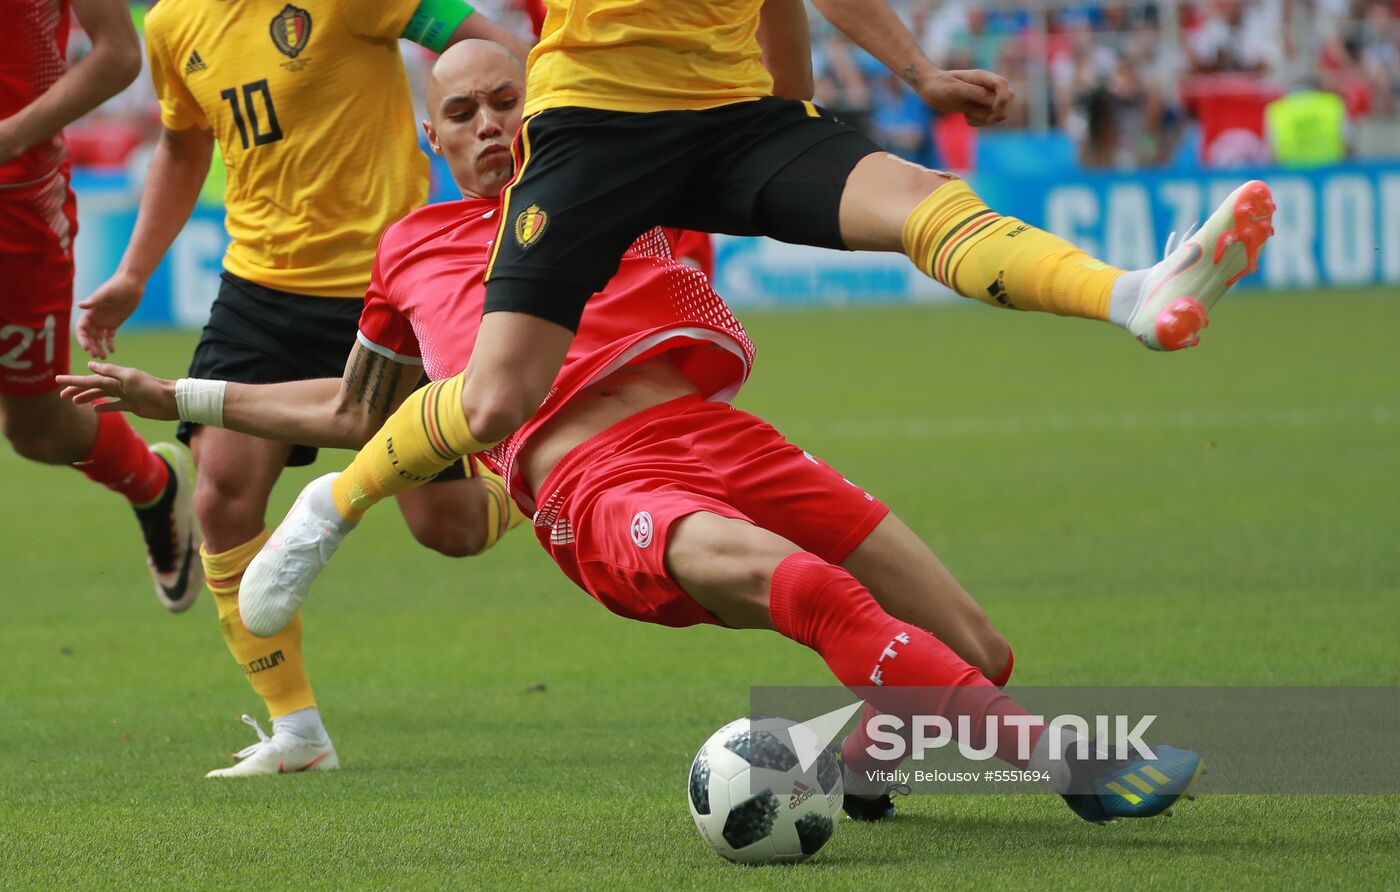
(311, 109)
(647, 55)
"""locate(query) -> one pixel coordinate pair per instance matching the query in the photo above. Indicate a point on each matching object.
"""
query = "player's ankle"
(304, 723)
(1126, 297)
(344, 503)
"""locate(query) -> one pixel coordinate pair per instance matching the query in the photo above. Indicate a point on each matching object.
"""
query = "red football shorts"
(37, 227)
(607, 507)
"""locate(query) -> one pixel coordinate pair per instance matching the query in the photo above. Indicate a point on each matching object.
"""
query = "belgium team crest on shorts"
(291, 29)
(530, 224)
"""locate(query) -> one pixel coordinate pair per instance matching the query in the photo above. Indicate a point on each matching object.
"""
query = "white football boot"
(277, 581)
(1181, 289)
(172, 534)
(282, 753)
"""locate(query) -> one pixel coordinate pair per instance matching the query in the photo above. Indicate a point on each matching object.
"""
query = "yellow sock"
(502, 514)
(423, 436)
(273, 665)
(955, 238)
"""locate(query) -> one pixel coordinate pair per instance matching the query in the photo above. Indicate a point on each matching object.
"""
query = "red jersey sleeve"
(383, 328)
(536, 11)
(695, 249)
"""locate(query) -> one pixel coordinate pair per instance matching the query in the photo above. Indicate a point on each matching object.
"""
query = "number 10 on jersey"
(247, 117)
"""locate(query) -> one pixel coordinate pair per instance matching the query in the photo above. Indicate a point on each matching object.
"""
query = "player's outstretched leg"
(157, 481)
(751, 578)
(280, 577)
(953, 237)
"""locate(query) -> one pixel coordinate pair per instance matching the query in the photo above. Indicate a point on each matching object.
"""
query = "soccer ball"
(751, 799)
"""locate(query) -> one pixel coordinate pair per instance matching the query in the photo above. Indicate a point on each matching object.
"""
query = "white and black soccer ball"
(753, 802)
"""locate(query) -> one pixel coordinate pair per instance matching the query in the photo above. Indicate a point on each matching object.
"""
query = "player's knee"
(450, 538)
(497, 413)
(225, 508)
(39, 444)
(757, 564)
(920, 182)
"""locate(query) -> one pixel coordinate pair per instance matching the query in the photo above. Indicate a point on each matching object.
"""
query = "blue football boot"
(1124, 788)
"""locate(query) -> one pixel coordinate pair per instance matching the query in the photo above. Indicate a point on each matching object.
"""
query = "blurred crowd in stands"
(1106, 84)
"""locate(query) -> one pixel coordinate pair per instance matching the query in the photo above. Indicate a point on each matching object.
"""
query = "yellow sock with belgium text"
(273, 665)
(955, 238)
(423, 436)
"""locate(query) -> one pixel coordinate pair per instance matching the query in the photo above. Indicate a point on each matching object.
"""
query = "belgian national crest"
(291, 29)
(530, 225)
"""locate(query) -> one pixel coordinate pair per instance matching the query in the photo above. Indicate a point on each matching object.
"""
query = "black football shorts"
(589, 182)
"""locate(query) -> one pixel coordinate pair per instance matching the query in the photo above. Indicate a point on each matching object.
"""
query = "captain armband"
(434, 21)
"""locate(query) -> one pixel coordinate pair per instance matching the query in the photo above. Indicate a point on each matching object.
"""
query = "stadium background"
(1132, 120)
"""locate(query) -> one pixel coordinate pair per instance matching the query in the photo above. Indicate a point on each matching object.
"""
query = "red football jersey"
(696, 249)
(536, 11)
(425, 300)
(33, 56)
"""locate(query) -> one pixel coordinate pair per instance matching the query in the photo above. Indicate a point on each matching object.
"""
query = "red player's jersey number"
(15, 341)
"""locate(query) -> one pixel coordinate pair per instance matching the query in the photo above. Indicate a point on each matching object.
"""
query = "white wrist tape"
(200, 401)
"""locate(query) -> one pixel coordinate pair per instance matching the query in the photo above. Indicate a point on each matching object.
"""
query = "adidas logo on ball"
(800, 793)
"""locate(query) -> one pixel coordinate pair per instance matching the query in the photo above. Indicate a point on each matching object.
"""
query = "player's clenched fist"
(983, 97)
(108, 307)
(124, 389)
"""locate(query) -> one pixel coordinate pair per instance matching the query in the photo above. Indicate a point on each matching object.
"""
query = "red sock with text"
(120, 460)
(824, 607)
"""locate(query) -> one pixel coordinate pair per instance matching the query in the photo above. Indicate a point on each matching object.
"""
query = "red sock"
(1004, 675)
(825, 608)
(856, 742)
(120, 461)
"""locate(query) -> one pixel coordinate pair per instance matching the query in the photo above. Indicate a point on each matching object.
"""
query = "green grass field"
(1224, 516)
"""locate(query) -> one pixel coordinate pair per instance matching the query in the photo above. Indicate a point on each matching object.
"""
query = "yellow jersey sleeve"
(647, 55)
(178, 109)
(385, 19)
(314, 121)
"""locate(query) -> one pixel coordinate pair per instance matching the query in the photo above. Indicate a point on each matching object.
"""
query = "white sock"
(1125, 297)
(304, 723)
(1057, 766)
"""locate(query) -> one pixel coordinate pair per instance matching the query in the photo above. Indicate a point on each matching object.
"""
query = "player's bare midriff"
(624, 393)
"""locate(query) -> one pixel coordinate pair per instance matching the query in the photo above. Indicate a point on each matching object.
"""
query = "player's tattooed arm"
(337, 413)
(374, 386)
(786, 38)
